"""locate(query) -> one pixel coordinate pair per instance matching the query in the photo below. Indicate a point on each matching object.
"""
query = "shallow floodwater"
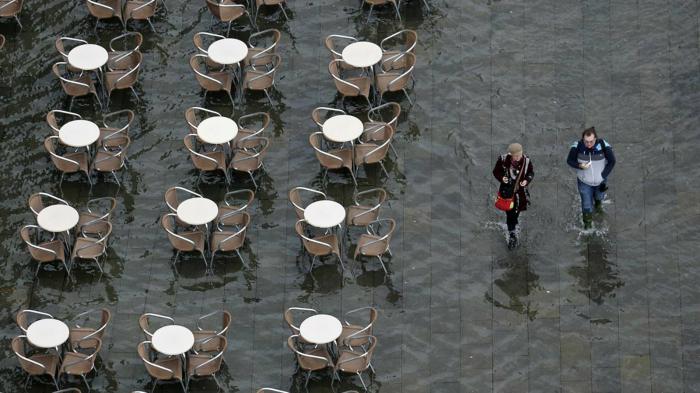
(612, 309)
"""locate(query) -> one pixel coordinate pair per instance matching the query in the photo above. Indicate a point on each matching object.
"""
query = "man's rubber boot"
(512, 240)
(598, 206)
(587, 220)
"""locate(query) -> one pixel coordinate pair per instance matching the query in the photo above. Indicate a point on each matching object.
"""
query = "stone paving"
(615, 309)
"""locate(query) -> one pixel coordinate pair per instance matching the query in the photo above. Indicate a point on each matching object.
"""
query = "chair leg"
(55, 382)
(370, 12)
(86, 382)
(242, 260)
(253, 179)
(154, 386)
(70, 105)
(164, 6)
(368, 102)
(407, 96)
(362, 380)
(308, 376)
(233, 104)
(382, 262)
(206, 265)
(268, 96)
(426, 5)
(211, 263)
(97, 262)
(283, 11)
(134, 92)
(151, 24)
(398, 14)
(228, 31)
(18, 22)
(383, 168)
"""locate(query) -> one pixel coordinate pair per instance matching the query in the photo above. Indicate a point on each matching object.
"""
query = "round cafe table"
(87, 57)
(172, 340)
(48, 333)
(197, 211)
(79, 133)
(320, 329)
(342, 128)
(227, 51)
(217, 130)
(58, 218)
(362, 54)
(324, 214)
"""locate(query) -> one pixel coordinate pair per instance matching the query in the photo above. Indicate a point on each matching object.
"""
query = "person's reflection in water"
(598, 278)
(517, 282)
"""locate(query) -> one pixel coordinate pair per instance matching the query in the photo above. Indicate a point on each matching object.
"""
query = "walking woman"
(514, 171)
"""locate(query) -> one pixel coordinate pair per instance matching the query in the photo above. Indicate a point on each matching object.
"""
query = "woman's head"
(516, 151)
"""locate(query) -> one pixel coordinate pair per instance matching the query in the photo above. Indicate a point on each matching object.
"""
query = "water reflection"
(512, 289)
(598, 278)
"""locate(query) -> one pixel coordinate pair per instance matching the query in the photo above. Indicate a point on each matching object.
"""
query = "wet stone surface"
(609, 310)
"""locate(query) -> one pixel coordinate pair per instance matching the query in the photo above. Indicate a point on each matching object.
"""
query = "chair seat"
(374, 131)
(76, 334)
(200, 345)
(311, 364)
(224, 77)
(363, 82)
(72, 365)
(331, 240)
(107, 161)
(172, 363)
(352, 366)
(349, 330)
(196, 360)
(244, 165)
(393, 63)
(232, 244)
(115, 138)
(257, 84)
(219, 156)
(383, 81)
(81, 158)
(376, 249)
(55, 246)
(49, 360)
(196, 236)
(354, 211)
(343, 154)
(92, 248)
(122, 60)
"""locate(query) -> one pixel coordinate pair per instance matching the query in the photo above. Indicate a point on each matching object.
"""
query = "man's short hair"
(588, 132)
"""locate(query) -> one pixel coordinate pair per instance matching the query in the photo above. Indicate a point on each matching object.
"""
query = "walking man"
(593, 160)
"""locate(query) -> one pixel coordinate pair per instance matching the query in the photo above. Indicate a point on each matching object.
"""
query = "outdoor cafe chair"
(105, 9)
(26, 317)
(41, 250)
(113, 133)
(92, 248)
(353, 361)
(35, 365)
(168, 369)
(290, 320)
(250, 126)
(97, 209)
(320, 114)
(123, 78)
(376, 242)
(74, 86)
(205, 161)
(357, 334)
(331, 158)
(310, 359)
(262, 76)
(261, 44)
(249, 158)
(211, 81)
(395, 46)
(184, 241)
(356, 86)
(372, 3)
(11, 9)
(396, 79)
(201, 41)
(67, 162)
(173, 200)
(80, 363)
(379, 116)
(203, 334)
(335, 44)
(227, 11)
(230, 240)
(110, 158)
(203, 365)
(140, 10)
(279, 3)
(234, 202)
(146, 323)
(318, 245)
(363, 214)
(371, 151)
(64, 45)
(125, 58)
(80, 333)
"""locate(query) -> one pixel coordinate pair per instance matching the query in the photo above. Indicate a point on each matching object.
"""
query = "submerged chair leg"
(242, 260)
(283, 11)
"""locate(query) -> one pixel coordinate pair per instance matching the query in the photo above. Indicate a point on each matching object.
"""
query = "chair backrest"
(199, 40)
(370, 153)
(225, 12)
(199, 160)
(103, 207)
(377, 114)
(380, 245)
(334, 45)
(140, 9)
(326, 159)
(103, 9)
(63, 164)
(264, 78)
(86, 364)
(260, 40)
(2, 41)
(290, 320)
(25, 318)
(197, 63)
(145, 322)
(11, 8)
(172, 199)
(117, 115)
(111, 157)
(252, 157)
(407, 38)
(65, 44)
(295, 199)
(72, 87)
(194, 115)
(130, 41)
(356, 338)
(213, 365)
(154, 370)
(53, 121)
(254, 123)
(306, 361)
(271, 390)
(37, 251)
(321, 114)
(99, 331)
(178, 242)
(343, 86)
(225, 321)
(239, 199)
(36, 201)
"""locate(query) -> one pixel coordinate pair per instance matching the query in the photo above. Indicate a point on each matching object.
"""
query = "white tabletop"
(320, 329)
(172, 340)
(87, 57)
(57, 218)
(217, 130)
(362, 54)
(197, 211)
(324, 214)
(227, 51)
(79, 133)
(342, 128)
(47, 333)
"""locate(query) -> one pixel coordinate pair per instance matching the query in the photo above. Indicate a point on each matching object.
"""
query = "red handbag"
(507, 204)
